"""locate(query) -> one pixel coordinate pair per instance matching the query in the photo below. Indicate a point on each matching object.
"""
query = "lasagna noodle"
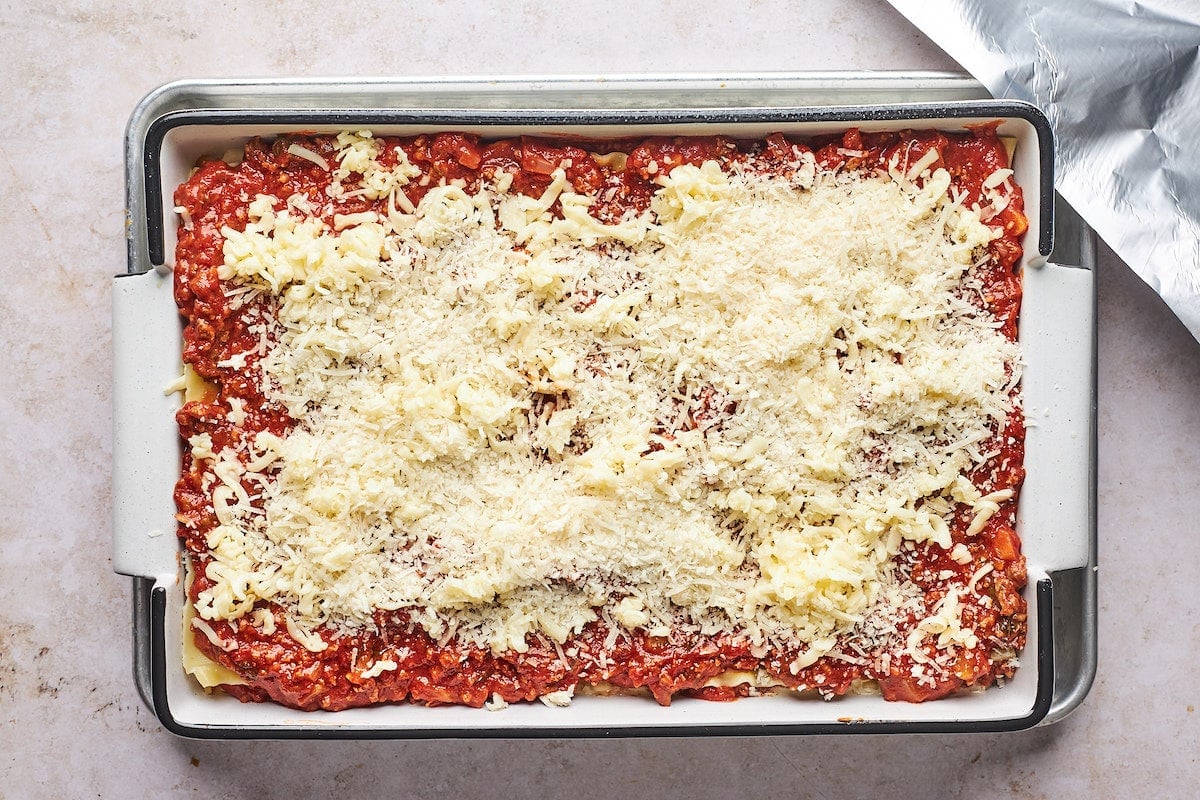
(514, 420)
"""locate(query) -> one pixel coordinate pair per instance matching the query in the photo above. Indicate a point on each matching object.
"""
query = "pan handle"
(1058, 338)
(145, 442)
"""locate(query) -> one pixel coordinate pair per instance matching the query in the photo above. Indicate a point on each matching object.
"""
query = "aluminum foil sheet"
(1120, 82)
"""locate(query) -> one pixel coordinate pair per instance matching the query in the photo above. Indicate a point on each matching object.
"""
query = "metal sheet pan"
(178, 122)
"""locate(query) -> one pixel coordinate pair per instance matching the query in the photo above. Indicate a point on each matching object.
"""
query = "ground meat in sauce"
(277, 668)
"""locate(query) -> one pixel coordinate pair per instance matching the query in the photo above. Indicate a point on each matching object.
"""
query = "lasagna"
(480, 422)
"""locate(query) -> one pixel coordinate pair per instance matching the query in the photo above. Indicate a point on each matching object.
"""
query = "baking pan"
(179, 122)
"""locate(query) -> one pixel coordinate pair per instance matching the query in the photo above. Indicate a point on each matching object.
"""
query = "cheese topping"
(728, 413)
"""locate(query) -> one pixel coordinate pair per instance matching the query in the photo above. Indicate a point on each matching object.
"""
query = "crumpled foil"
(1120, 82)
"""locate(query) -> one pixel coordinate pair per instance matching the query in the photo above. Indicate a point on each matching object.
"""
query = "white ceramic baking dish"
(182, 122)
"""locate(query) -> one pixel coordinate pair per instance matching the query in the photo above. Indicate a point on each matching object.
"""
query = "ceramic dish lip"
(274, 121)
(489, 727)
(155, 619)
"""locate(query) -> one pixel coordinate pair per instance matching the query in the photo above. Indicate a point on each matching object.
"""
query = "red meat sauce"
(278, 668)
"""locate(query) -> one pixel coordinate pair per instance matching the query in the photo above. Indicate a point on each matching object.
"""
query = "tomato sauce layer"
(218, 327)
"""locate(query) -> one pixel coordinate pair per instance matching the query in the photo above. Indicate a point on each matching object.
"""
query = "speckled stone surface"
(71, 724)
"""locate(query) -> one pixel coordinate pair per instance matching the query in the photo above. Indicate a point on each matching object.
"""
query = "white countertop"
(71, 724)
